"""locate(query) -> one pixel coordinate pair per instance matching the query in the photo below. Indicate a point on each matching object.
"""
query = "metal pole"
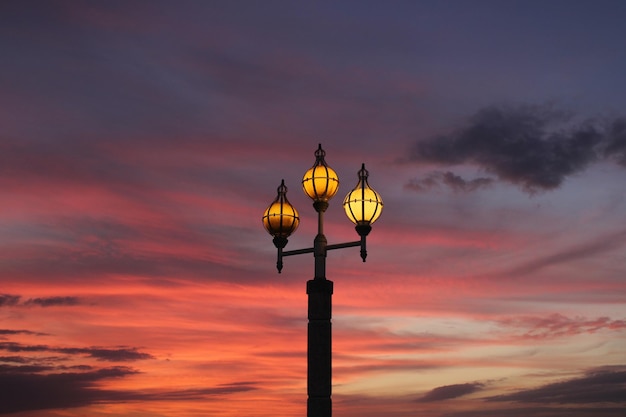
(319, 345)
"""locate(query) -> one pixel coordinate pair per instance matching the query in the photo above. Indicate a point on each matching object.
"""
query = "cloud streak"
(121, 354)
(33, 382)
(449, 179)
(53, 301)
(605, 244)
(597, 386)
(557, 325)
(9, 300)
(23, 390)
(448, 392)
(26, 388)
(541, 412)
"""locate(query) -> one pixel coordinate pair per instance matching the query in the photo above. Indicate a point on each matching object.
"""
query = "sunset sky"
(141, 141)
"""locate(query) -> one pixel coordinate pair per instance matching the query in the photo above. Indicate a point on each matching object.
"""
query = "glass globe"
(320, 182)
(281, 218)
(363, 205)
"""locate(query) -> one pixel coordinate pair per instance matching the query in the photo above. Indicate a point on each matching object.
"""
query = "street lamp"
(363, 206)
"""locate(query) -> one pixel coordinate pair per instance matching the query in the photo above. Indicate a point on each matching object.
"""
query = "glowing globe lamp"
(363, 205)
(281, 218)
(320, 182)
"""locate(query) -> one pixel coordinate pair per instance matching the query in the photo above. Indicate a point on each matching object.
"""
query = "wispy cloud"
(541, 412)
(597, 386)
(449, 179)
(53, 301)
(590, 248)
(120, 354)
(447, 392)
(615, 146)
(22, 388)
(8, 300)
(558, 325)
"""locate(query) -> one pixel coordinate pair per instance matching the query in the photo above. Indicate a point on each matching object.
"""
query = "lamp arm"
(343, 245)
(328, 247)
(360, 243)
(281, 253)
(298, 251)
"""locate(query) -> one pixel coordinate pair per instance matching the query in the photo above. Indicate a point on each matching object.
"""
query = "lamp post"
(363, 206)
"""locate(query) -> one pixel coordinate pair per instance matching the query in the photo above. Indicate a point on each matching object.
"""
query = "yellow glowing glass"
(363, 205)
(281, 218)
(320, 182)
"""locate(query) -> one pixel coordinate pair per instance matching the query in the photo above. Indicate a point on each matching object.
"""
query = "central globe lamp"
(320, 182)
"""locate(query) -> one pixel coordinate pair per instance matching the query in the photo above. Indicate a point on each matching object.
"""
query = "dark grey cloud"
(27, 390)
(534, 147)
(541, 412)
(601, 392)
(448, 392)
(119, 354)
(616, 143)
(9, 300)
(24, 368)
(12, 332)
(24, 388)
(122, 354)
(453, 181)
(54, 301)
(607, 385)
(29, 381)
(14, 359)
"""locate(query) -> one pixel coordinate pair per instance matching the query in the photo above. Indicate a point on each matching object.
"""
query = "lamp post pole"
(319, 340)
(363, 206)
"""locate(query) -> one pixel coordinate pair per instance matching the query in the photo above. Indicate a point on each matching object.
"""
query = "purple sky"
(141, 142)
